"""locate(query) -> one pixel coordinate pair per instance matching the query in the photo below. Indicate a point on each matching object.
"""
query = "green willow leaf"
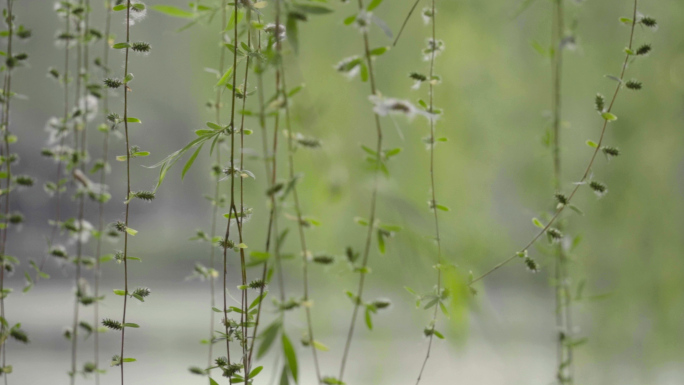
(609, 117)
(290, 356)
(374, 4)
(258, 300)
(168, 162)
(378, 51)
(313, 9)
(268, 336)
(256, 371)
(349, 20)
(283, 377)
(173, 11)
(292, 33)
(190, 161)
(224, 79)
(131, 325)
(369, 319)
(364, 72)
(381, 242)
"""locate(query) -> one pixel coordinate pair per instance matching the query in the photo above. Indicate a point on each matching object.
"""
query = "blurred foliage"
(494, 172)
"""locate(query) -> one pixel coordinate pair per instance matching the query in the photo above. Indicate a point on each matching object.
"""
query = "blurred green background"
(494, 173)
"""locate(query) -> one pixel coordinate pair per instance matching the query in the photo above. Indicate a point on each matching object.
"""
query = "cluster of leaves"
(437, 297)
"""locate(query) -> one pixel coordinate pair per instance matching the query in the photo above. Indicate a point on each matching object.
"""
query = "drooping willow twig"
(232, 330)
(62, 131)
(562, 306)
(101, 201)
(271, 168)
(300, 225)
(128, 186)
(82, 66)
(607, 117)
(139, 293)
(227, 244)
(403, 25)
(217, 190)
(5, 153)
(433, 203)
(239, 219)
(373, 201)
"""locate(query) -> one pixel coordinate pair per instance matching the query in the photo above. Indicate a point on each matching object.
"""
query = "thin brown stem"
(232, 184)
(240, 218)
(128, 185)
(403, 25)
